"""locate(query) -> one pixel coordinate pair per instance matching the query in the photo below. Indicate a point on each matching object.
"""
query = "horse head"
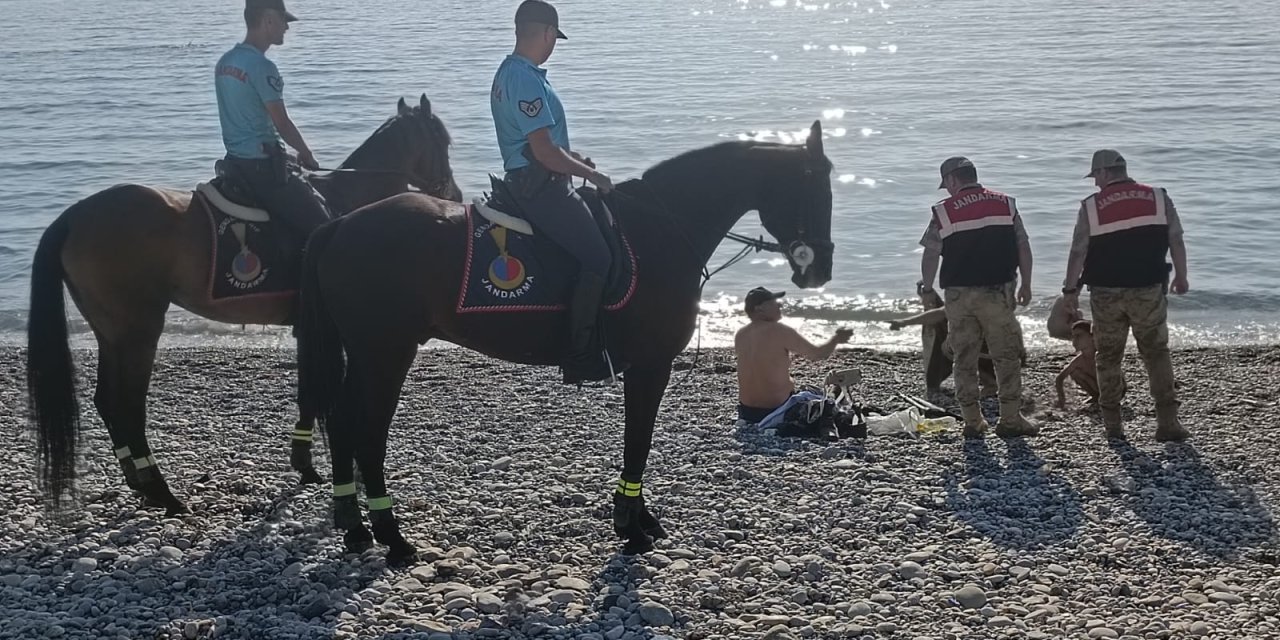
(413, 142)
(795, 208)
(428, 149)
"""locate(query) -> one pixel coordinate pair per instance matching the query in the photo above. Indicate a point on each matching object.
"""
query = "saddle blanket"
(507, 271)
(250, 258)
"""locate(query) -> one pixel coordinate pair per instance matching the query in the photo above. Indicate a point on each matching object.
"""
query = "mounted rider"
(254, 121)
(534, 139)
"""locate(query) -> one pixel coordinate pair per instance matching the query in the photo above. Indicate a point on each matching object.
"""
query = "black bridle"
(440, 184)
(800, 250)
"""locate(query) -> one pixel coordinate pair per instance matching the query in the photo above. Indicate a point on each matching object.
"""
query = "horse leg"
(346, 511)
(300, 448)
(134, 357)
(643, 388)
(381, 385)
(103, 397)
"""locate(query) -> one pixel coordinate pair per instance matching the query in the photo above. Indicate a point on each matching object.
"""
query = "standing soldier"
(978, 235)
(1122, 235)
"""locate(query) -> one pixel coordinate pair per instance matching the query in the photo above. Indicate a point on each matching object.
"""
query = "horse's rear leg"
(104, 399)
(342, 428)
(300, 448)
(382, 374)
(131, 360)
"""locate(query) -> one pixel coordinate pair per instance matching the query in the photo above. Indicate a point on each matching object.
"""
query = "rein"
(750, 245)
(349, 170)
(413, 179)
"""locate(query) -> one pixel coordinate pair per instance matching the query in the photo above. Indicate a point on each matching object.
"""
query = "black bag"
(810, 419)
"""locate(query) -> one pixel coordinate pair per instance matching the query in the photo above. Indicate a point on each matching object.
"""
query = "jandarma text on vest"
(965, 201)
(1129, 194)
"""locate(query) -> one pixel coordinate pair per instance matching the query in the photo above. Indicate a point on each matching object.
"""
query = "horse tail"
(320, 355)
(51, 387)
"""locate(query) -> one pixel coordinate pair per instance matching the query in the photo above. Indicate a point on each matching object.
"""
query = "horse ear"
(814, 143)
(401, 107)
(425, 105)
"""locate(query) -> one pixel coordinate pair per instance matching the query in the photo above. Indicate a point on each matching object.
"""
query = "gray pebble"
(657, 615)
(971, 597)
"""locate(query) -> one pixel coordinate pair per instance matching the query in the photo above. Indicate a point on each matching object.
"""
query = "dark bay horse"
(128, 252)
(384, 280)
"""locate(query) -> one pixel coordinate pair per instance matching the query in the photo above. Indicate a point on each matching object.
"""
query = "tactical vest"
(979, 245)
(1128, 236)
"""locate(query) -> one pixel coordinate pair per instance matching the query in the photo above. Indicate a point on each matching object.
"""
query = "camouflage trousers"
(1144, 310)
(975, 315)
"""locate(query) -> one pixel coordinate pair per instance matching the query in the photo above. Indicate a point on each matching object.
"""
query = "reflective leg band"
(123, 453)
(343, 490)
(628, 489)
(380, 504)
(302, 436)
(144, 462)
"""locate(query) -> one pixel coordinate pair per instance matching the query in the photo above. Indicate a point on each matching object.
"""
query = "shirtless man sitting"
(764, 348)
(1083, 368)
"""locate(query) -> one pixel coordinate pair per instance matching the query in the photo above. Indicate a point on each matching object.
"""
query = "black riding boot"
(586, 361)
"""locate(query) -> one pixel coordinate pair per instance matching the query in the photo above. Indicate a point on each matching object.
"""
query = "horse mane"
(374, 147)
(716, 155)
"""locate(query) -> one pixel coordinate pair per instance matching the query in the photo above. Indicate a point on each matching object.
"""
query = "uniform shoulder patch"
(276, 82)
(531, 108)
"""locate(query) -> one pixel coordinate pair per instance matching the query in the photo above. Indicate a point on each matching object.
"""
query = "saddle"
(228, 193)
(249, 257)
(510, 267)
(501, 208)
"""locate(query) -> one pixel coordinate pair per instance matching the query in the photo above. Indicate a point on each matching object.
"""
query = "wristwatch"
(1069, 291)
(920, 288)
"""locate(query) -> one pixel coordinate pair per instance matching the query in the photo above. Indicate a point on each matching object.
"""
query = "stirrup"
(614, 374)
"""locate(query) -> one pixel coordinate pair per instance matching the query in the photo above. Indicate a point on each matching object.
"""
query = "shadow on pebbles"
(502, 477)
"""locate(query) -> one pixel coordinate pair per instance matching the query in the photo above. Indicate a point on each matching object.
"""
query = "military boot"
(1012, 424)
(975, 426)
(585, 362)
(1168, 427)
(1112, 423)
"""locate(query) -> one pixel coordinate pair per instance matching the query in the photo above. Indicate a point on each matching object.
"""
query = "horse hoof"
(656, 531)
(346, 514)
(401, 554)
(358, 540)
(637, 545)
(650, 525)
(175, 510)
(310, 476)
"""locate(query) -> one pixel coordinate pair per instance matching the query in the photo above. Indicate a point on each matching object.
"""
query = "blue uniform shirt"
(245, 81)
(522, 102)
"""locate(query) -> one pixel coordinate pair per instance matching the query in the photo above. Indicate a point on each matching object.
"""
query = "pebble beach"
(503, 478)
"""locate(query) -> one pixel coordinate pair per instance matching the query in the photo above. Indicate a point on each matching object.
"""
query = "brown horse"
(378, 283)
(128, 252)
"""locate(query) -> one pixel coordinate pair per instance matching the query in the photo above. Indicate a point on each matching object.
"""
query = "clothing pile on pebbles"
(503, 477)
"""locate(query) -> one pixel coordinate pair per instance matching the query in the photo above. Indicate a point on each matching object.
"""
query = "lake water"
(92, 94)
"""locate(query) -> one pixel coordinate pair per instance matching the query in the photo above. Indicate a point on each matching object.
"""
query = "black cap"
(760, 295)
(950, 165)
(540, 12)
(278, 5)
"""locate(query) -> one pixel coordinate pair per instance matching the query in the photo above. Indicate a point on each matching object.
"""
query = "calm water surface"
(92, 94)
